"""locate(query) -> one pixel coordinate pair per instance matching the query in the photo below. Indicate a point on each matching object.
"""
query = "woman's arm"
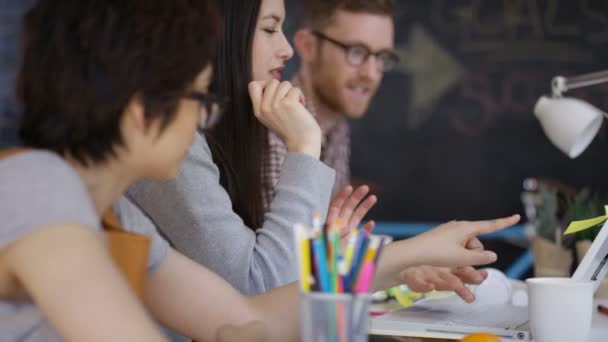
(452, 244)
(70, 276)
(195, 213)
(197, 303)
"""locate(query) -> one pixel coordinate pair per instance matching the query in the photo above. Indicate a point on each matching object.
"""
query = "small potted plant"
(584, 206)
(543, 201)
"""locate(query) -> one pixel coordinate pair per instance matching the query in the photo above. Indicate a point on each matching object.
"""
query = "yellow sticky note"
(579, 226)
(403, 297)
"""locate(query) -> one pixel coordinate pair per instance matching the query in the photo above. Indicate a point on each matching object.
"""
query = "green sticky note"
(579, 226)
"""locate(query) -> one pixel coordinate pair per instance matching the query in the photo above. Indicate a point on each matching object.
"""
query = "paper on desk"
(579, 226)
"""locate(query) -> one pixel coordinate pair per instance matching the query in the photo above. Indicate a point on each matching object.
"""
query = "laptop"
(451, 317)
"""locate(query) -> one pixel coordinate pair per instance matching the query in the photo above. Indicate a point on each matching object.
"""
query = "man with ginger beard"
(344, 47)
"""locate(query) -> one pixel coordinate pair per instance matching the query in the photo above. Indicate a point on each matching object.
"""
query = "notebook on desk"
(445, 317)
(453, 318)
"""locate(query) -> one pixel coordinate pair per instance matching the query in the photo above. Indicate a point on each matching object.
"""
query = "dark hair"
(318, 13)
(239, 142)
(85, 59)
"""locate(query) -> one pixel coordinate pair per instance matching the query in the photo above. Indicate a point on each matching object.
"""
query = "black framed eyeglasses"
(212, 104)
(358, 54)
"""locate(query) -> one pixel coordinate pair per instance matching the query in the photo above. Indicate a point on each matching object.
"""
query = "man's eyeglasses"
(358, 54)
(212, 104)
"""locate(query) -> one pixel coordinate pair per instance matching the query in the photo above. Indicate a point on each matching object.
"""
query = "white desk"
(599, 330)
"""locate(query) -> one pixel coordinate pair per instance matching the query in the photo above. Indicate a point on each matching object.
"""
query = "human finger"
(474, 243)
(353, 201)
(332, 214)
(281, 91)
(369, 226)
(470, 275)
(415, 280)
(338, 200)
(455, 284)
(489, 226)
(268, 97)
(295, 94)
(362, 209)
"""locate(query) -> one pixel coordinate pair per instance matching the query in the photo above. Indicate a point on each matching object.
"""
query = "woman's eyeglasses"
(212, 104)
(358, 54)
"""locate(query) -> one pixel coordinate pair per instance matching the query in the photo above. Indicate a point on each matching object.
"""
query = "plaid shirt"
(335, 153)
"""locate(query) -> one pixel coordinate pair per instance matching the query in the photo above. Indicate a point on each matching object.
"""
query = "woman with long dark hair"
(239, 141)
(213, 211)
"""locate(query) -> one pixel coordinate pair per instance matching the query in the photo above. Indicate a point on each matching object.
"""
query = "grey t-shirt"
(38, 188)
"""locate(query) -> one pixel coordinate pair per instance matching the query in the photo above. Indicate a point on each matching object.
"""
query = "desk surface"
(599, 332)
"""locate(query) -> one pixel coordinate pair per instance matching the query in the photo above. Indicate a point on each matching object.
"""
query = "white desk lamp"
(570, 124)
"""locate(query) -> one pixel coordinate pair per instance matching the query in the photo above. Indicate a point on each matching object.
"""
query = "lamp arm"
(561, 84)
(587, 80)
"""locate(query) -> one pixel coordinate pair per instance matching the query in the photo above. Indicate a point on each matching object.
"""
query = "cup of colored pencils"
(335, 281)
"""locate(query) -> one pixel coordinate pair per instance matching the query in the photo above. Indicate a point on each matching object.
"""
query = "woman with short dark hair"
(94, 121)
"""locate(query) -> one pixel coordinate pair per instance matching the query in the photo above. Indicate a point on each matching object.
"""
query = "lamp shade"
(569, 123)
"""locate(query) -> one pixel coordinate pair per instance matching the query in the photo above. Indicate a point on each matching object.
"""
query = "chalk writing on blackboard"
(497, 57)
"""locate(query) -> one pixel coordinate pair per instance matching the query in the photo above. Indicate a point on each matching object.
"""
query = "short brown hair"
(318, 13)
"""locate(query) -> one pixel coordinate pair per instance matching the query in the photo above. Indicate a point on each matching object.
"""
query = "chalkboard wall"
(451, 134)
(11, 13)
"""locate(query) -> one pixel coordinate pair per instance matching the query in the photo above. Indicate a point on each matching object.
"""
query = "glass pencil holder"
(334, 317)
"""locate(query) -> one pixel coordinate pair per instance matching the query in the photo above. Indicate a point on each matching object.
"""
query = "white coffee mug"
(560, 309)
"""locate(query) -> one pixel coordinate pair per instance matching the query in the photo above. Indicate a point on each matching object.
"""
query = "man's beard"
(328, 96)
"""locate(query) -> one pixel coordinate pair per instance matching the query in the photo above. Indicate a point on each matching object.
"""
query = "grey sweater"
(194, 213)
